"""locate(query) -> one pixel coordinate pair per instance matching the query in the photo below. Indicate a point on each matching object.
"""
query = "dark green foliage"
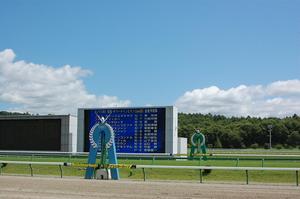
(217, 143)
(12, 113)
(2, 165)
(206, 172)
(294, 138)
(254, 146)
(266, 146)
(241, 132)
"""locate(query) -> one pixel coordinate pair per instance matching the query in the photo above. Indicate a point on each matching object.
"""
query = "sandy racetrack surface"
(42, 187)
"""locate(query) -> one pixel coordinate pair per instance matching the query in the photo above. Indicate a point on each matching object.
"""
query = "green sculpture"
(198, 145)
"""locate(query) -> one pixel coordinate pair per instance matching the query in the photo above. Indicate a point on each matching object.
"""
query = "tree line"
(13, 113)
(241, 132)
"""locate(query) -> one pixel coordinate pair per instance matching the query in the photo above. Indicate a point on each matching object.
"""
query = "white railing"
(143, 167)
(59, 164)
(33, 163)
(254, 155)
(201, 168)
(216, 168)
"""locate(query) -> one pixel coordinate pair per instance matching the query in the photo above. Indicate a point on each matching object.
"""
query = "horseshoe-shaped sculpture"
(104, 133)
(198, 144)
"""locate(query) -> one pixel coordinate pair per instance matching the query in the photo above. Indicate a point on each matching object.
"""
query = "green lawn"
(165, 174)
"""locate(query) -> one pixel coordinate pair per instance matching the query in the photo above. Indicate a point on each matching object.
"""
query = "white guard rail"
(59, 164)
(200, 168)
(143, 167)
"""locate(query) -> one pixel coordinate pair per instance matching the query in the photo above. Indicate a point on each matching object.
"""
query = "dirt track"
(36, 187)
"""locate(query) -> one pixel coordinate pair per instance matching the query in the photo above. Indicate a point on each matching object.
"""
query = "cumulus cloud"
(283, 88)
(278, 99)
(45, 89)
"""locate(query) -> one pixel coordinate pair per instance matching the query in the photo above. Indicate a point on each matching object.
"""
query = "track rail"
(144, 167)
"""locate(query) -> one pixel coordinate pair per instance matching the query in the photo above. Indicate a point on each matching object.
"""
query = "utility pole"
(270, 126)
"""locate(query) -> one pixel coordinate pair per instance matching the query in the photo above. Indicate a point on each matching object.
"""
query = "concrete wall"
(80, 130)
(171, 129)
(68, 132)
(182, 146)
(73, 132)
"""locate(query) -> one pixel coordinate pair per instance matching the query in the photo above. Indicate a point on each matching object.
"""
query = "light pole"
(270, 126)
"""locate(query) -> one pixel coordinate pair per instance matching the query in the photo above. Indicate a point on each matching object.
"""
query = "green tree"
(294, 139)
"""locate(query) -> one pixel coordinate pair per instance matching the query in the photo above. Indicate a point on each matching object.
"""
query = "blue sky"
(154, 52)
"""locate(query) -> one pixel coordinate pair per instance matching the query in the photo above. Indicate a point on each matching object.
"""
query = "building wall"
(182, 146)
(171, 130)
(80, 130)
(73, 133)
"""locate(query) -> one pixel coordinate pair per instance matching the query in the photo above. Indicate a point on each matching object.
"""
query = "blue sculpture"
(104, 133)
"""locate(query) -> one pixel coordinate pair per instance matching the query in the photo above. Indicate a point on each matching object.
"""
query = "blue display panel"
(137, 130)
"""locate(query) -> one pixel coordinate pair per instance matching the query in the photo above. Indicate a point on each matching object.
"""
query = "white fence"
(144, 167)
(200, 168)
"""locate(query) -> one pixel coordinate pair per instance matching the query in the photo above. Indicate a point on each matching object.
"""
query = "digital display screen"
(30, 134)
(137, 130)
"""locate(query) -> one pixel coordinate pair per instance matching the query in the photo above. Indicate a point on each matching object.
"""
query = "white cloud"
(279, 99)
(44, 89)
(282, 88)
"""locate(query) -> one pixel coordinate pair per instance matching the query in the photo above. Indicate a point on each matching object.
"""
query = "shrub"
(206, 172)
(286, 146)
(278, 146)
(218, 143)
(294, 139)
(254, 146)
(266, 146)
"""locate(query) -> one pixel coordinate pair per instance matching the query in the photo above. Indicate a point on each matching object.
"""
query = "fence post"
(247, 177)
(262, 162)
(199, 160)
(153, 158)
(237, 162)
(31, 170)
(61, 174)
(200, 175)
(297, 180)
(144, 174)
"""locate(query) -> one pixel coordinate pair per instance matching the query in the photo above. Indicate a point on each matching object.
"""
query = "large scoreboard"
(137, 130)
